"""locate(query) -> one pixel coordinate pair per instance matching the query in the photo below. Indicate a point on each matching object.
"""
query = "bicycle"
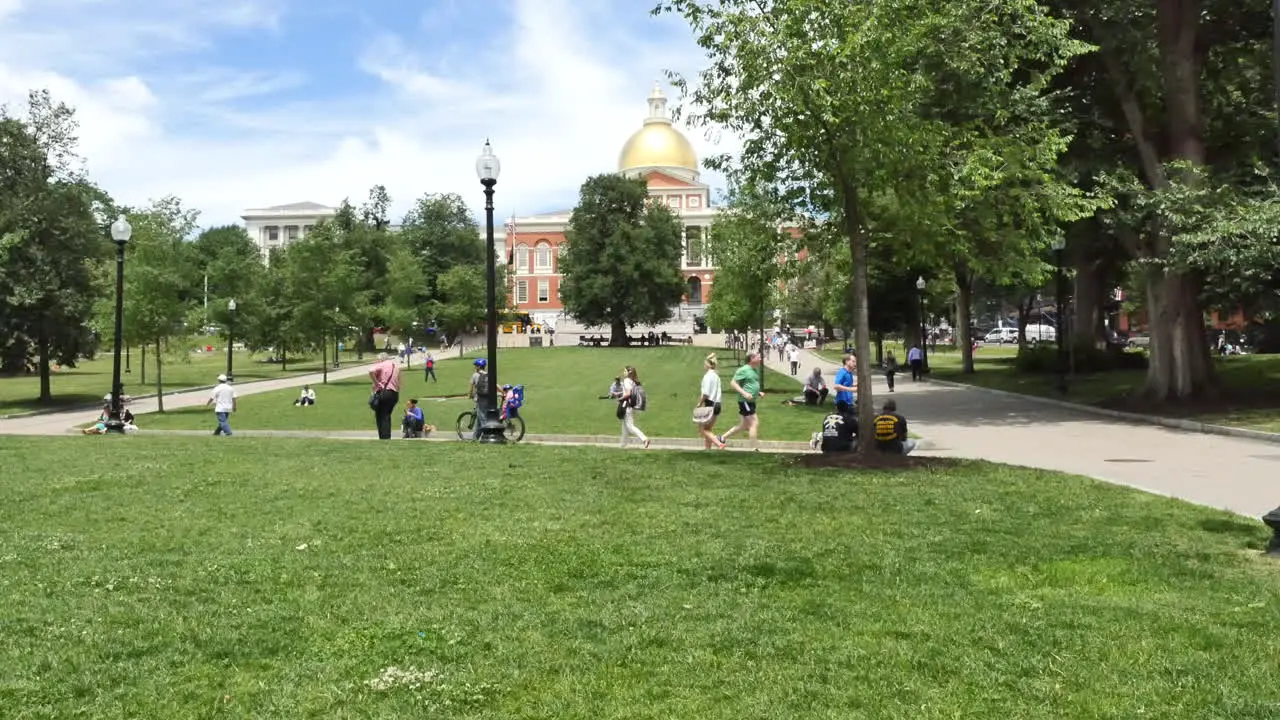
(510, 417)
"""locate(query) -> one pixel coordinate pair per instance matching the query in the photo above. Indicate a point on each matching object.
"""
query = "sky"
(250, 103)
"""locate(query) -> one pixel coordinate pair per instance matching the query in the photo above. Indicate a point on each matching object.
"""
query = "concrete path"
(1222, 472)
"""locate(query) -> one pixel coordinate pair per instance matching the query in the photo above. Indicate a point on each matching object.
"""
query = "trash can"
(535, 341)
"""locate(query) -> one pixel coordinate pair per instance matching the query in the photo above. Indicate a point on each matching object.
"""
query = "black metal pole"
(1275, 55)
(492, 431)
(924, 336)
(127, 369)
(231, 336)
(114, 424)
(1060, 292)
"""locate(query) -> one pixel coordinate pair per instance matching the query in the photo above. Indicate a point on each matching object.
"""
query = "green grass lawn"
(90, 380)
(191, 578)
(1248, 376)
(562, 396)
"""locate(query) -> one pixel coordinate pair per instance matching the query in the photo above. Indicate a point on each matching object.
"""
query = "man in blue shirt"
(846, 385)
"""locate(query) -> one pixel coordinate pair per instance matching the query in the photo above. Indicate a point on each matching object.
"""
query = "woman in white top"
(710, 397)
(627, 405)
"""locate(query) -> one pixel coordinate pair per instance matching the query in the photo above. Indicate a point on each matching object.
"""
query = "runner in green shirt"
(746, 383)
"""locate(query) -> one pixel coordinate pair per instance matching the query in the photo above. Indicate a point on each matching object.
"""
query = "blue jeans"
(223, 427)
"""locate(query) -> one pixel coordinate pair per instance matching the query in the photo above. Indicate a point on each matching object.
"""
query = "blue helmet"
(480, 362)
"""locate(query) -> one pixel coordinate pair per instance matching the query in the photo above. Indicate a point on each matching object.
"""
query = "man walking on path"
(223, 400)
(430, 364)
(915, 358)
(846, 386)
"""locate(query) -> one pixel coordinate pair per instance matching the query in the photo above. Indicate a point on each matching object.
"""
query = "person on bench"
(891, 431)
(414, 425)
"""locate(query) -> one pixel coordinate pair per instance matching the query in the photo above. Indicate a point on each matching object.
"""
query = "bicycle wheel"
(466, 425)
(515, 428)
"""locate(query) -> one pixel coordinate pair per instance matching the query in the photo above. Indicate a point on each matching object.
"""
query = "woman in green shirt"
(746, 382)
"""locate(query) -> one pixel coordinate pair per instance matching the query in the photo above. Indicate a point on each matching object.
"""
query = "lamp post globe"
(491, 428)
(121, 231)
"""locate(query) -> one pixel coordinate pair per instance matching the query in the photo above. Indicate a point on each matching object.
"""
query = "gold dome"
(658, 144)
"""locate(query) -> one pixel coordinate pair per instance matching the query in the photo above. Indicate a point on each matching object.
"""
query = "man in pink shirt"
(385, 376)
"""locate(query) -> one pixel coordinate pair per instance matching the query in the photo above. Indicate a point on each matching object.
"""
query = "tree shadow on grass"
(1252, 535)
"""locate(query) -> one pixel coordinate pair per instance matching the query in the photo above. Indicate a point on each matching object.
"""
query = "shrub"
(1043, 358)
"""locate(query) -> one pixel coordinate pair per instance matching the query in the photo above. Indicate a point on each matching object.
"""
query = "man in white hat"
(223, 400)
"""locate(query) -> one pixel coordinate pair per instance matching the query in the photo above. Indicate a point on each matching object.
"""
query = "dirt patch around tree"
(872, 461)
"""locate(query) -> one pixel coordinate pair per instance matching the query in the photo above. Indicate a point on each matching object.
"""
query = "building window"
(522, 258)
(542, 257)
(522, 292)
(695, 201)
(291, 232)
(693, 246)
(273, 233)
(694, 293)
(544, 291)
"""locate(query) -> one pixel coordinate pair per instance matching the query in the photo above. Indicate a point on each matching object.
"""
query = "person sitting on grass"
(308, 397)
(891, 431)
(615, 390)
(839, 433)
(815, 388)
(414, 424)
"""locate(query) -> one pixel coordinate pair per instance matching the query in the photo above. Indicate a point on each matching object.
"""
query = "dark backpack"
(482, 385)
(639, 399)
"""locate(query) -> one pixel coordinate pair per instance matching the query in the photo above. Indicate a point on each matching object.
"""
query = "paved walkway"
(1223, 472)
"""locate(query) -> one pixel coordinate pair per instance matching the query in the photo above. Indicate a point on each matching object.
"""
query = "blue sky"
(249, 103)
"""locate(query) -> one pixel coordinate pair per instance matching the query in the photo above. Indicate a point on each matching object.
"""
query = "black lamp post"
(487, 168)
(231, 334)
(1060, 294)
(337, 330)
(1272, 520)
(121, 231)
(924, 330)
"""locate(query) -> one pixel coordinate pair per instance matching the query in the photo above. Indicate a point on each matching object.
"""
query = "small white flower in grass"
(411, 677)
(303, 546)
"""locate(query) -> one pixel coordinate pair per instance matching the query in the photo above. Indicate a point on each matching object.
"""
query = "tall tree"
(836, 100)
(50, 240)
(157, 285)
(322, 284)
(621, 263)
(225, 264)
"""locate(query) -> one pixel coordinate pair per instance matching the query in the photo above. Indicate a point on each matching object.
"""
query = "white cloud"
(558, 91)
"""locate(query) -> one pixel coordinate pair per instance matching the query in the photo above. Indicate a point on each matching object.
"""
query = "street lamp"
(924, 345)
(121, 231)
(231, 332)
(487, 169)
(1060, 292)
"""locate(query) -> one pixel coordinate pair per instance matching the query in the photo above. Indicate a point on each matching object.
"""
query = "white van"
(1009, 335)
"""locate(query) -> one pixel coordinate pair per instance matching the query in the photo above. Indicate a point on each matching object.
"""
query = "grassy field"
(1251, 384)
(192, 578)
(86, 383)
(562, 396)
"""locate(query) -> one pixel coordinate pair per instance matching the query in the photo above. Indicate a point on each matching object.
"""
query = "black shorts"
(715, 407)
(746, 409)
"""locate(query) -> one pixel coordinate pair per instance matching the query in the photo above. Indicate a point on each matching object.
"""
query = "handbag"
(622, 409)
(702, 415)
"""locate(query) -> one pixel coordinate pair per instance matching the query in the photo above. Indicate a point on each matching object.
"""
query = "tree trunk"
(42, 347)
(159, 378)
(964, 303)
(1024, 318)
(143, 380)
(324, 361)
(617, 333)
(1087, 320)
(284, 358)
(855, 231)
(1180, 366)
(879, 349)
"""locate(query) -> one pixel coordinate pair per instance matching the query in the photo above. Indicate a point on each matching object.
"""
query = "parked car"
(1139, 340)
(1000, 336)
(1009, 335)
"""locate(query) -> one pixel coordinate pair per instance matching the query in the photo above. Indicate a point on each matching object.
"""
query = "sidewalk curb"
(152, 396)
(1172, 423)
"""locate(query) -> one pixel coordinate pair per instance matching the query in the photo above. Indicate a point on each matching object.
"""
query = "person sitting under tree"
(891, 431)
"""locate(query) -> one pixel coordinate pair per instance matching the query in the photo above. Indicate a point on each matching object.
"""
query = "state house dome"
(658, 145)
